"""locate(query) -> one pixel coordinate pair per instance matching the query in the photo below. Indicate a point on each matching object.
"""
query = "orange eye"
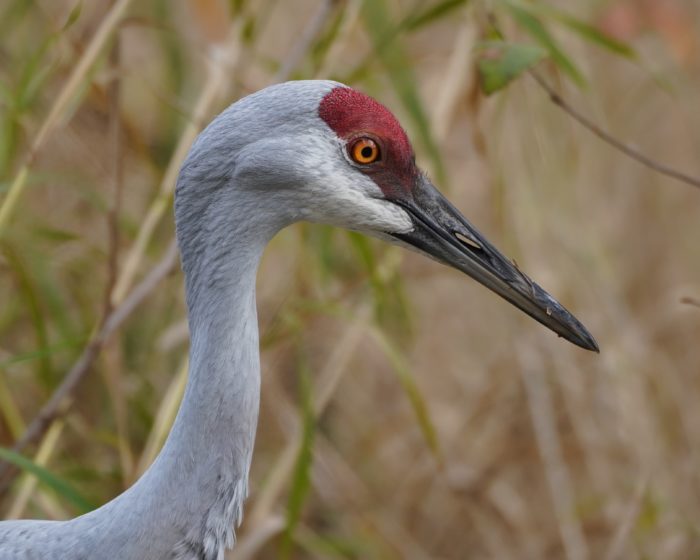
(364, 151)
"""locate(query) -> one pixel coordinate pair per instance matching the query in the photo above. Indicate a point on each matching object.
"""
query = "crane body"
(308, 150)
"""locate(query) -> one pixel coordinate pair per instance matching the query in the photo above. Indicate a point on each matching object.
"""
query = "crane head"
(376, 148)
(323, 152)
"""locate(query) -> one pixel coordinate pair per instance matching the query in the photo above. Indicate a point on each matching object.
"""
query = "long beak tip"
(441, 232)
(593, 346)
(586, 341)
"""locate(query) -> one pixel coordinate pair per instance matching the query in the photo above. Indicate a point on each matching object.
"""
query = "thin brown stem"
(606, 137)
(116, 174)
(690, 301)
(112, 369)
(48, 414)
(54, 407)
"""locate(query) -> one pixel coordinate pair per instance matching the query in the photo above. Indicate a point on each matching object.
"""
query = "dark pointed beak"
(441, 232)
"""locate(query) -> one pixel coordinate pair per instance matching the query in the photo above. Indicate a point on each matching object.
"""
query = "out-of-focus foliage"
(502, 62)
(426, 419)
(48, 479)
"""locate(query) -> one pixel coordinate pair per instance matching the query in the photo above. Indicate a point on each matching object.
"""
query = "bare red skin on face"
(352, 114)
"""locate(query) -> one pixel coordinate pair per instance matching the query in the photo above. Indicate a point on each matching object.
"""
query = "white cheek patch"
(391, 218)
(336, 193)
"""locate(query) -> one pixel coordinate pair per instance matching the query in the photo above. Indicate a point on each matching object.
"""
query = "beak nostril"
(467, 241)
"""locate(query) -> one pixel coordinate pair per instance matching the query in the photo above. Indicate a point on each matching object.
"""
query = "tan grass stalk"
(113, 371)
(613, 141)
(61, 107)
(301, 47)
(539, 400)
(48, 413)
(51, 506)
(248, 548)
(628, 521)
(333, 60)
(457, 79)
(28, 481)
(163, 419)
(220, 59)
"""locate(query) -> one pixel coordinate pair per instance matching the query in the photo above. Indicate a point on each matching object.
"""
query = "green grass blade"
(38, 354)
(73, 16)
(585, 30)
(534, 27)
(391, 308)
(596, 36)
(364, 251)
(327, 39)
(331, 546)
(301, 479)
(31, 296)
(405, 376)
(431, 14)
(9, 412)
(55, 483)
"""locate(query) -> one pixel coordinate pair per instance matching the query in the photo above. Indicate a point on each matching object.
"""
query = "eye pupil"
(364, 151)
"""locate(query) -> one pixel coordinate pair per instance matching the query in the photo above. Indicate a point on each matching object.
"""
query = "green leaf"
(236, 7)
(532, 25)
(57, 484)
(389, 51)
(56, 234)
(73, 16)
(249, 30)
(499, 63)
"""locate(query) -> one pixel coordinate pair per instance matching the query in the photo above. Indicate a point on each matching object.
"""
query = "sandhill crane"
(308, 150)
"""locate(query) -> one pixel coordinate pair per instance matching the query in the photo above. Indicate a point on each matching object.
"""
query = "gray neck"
(191, 497)
(240, 184)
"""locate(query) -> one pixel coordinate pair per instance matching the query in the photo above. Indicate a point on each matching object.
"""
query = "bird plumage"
(273, 158)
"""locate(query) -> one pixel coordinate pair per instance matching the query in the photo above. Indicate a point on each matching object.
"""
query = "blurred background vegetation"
(406, 413)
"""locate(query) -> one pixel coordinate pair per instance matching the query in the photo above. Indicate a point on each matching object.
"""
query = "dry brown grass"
(545, 451)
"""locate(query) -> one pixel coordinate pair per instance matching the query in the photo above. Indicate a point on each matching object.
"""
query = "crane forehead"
(347, 111)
